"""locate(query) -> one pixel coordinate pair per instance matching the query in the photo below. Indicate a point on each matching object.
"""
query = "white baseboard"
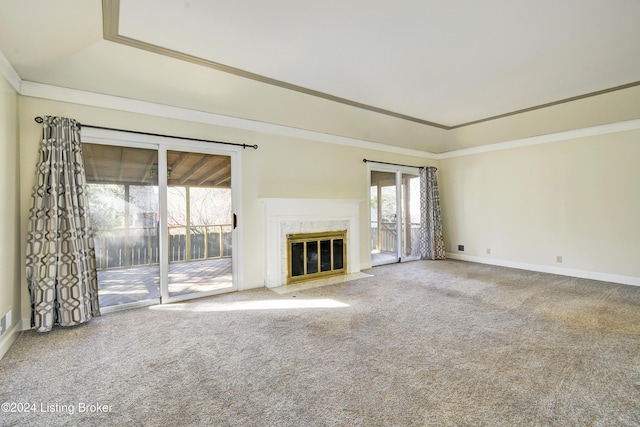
(593, 275)
(252, 285)
(365, 265)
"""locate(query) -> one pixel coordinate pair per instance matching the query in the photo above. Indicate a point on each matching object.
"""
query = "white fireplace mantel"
(290, 216)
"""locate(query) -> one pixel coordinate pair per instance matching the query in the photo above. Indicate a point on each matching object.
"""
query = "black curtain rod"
(255, 146)
(393, 164)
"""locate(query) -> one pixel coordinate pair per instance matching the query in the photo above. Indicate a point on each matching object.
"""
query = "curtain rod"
(396, 164)
(80, 125)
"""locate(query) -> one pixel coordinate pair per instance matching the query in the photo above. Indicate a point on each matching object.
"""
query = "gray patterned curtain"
(432, 243)
(61, 261)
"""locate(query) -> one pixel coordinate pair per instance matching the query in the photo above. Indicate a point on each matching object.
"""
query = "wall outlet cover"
(5, 322)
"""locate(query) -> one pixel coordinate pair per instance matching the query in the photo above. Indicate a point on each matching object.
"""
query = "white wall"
(579, 199)
(282, 167)
(9, 214)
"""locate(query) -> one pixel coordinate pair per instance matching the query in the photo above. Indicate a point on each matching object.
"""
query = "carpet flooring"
(426, 343)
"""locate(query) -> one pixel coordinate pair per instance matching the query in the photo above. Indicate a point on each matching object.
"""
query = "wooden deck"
(137, 284)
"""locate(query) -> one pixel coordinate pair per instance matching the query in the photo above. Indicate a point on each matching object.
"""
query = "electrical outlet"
(559, 259)
(5, 322)
(461, 248)
(488, 251)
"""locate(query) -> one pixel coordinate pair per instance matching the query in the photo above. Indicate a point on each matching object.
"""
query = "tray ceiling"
(399, 73)
(440, 62)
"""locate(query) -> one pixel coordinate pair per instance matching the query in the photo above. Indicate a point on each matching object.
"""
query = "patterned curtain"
(432, 243)
(61, 261)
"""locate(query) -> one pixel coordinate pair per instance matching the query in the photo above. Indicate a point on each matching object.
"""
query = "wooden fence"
(387, 239)
(139, 246)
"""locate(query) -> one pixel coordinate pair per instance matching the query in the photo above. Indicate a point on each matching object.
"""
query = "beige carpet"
(418, 344)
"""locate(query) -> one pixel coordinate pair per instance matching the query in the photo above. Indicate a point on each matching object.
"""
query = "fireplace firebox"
(315, 255)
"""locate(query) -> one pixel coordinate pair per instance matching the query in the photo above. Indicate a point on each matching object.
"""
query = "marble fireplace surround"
(292, 216)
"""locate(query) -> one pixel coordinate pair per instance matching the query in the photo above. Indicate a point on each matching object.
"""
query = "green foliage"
(106, 206)
(207, 206)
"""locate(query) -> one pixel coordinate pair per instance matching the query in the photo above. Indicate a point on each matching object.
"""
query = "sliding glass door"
(122, 187)
(395, 216)
(163, 221)
(199, 223)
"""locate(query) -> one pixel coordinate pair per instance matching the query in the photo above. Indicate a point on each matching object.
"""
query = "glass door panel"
(338, 259)
(312, 257)
(410, 216)
(200, 223)
(325, 255)
(122, 190)
(384, 219)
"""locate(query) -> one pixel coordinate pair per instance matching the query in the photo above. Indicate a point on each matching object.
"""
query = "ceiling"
(402, 73)
(108, 164)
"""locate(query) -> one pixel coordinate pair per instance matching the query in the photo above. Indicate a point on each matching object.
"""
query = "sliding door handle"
(235, 221)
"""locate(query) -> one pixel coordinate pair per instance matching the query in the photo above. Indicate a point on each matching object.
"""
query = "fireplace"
(284, 217)
(315, 255)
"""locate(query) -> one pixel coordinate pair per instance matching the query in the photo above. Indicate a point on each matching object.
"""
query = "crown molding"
(9, 74)
(547, 138)
(56, 93)
(548, 104)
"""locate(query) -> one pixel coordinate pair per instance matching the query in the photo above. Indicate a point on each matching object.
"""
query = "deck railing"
(385, 239)
(139, 246)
